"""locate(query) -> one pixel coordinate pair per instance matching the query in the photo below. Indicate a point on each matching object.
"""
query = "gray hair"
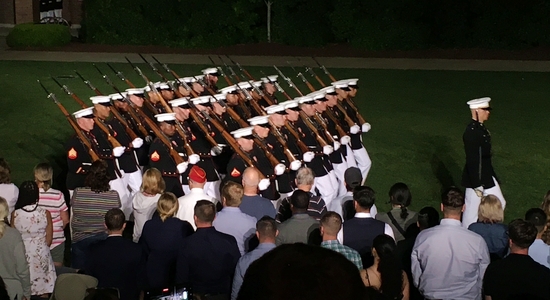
(305, 176)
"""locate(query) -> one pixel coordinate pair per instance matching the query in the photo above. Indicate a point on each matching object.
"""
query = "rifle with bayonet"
(89, 84)
(231, 71)
(348, 99)
(154, 91)
(121, 76)
(83, 139)
(117, 114)
(240, 68)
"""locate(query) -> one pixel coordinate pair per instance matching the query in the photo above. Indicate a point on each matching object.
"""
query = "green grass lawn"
(417, 118)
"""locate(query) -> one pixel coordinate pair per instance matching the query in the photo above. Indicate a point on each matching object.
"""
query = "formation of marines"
(172, 124)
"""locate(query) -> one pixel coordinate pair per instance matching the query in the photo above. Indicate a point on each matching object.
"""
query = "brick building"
(25, 11)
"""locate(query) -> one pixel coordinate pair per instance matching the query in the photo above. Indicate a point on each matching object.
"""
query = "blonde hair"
(233, 193)
(167, 206)
(4, 211)
(43, 173)
(490, 210)
(152, 182)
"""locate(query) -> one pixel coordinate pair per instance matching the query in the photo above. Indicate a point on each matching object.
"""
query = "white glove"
(354, 129)
(216, 150)
(279, 169)
(328, 149)
(336, 145)
(182, 167)
(193, 159)
(118, 151)
(479, 191)
(137, 142)
(264, 184)
(295, 165)
(365, 127)
(345, 140)
(308, 156)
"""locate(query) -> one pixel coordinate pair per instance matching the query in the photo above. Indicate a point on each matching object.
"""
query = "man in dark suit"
(117, 262)
(207, 260)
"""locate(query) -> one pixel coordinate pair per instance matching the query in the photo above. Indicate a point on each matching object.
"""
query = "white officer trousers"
(350, 157)
(363, 161)
(327, 186)
(124, 195)
(133, 182)
(339, 170)
(472, 202)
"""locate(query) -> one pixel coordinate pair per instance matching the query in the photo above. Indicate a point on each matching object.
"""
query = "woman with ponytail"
(399, 217)
(161, 238)
(14, 269)
(385, 276)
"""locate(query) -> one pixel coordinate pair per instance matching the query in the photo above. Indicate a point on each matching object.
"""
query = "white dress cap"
(100, 99)
(290, 104)
(117, 96)
(306, 99)
(330, 89)
(229, 89)
(319, 95)
(208, 71)
(275, 109)
(352, 81)
(269, 79)
(138, 91)
(86, 112)
(217, 97)
(259, 120)
(162, 86)
(242, 132)
(201, 100)
(179, 102)
(244, 85)
(257, 83)
(479, 103)
(165, 117)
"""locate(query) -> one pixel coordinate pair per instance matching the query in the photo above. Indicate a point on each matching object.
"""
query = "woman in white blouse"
(145, 201)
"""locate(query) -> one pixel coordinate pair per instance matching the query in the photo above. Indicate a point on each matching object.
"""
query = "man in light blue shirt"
(539, 251)
(266, 231)
(231, 220)
(448, 261)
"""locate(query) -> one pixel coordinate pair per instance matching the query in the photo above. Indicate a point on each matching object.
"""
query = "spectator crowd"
(244, 246)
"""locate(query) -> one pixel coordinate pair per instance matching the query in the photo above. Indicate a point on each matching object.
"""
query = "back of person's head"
(4, 212)
(364, 196)
(98, 177)
(205, 211)
(390, 273)
(305, 176)
(114, 219)
(302, 272)
(232, 194)
(43, 173)
(401, 195)
(28, 194)
(152, 182)
(300, 200)
(452, 200)
(251, 178)
(266, 228)
(537, 217)
(5, 172)
(546, 203)
(490, 210)
(428, 217)
(522, 233)
(167, 206)
(331, 223)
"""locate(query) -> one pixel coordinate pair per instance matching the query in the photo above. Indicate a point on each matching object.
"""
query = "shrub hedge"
(367, 24)
(38, 35)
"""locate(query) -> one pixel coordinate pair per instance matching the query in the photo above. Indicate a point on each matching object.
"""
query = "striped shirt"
(349, 253)
(88, 212)
(54, 202)
(316, 208)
